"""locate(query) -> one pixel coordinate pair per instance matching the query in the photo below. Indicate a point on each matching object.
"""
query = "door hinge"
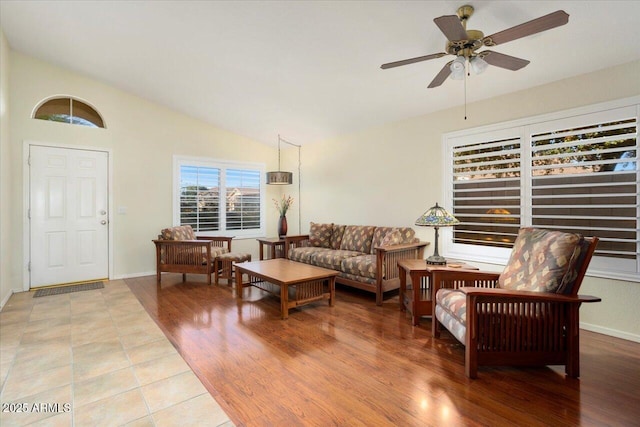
(29, 266)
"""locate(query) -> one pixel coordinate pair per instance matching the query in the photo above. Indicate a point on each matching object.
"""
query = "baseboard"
(134, 275)
(6, 299)
(611, 332)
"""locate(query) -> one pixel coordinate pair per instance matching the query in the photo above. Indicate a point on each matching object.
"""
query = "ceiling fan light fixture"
(457, 68)
(478, 65)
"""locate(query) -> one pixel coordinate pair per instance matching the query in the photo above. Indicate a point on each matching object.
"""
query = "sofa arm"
(387, 257)
(295, 242)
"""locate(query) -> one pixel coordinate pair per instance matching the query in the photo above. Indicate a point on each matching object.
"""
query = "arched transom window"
(69, 110)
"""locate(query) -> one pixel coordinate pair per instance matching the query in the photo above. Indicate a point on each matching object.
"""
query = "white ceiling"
(308, 70)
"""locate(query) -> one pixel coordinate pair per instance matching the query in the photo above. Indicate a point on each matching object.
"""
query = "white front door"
(69, 222)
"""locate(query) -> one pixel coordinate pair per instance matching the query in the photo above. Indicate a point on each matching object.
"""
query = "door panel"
(69, 226)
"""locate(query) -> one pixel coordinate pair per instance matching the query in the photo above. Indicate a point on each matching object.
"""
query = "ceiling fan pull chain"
(465, 94)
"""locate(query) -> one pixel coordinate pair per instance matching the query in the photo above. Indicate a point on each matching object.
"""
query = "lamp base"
(436, 260)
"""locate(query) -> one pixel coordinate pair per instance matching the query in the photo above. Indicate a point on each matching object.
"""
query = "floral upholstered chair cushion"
(542, 261)
(320, 235)
(181, 232)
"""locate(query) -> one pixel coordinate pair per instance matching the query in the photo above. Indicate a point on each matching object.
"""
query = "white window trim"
(179, 161)
(599, 267)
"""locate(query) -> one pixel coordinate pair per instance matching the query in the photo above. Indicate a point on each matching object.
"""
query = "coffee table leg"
(284, 301)
(239, 284)
(332, 291)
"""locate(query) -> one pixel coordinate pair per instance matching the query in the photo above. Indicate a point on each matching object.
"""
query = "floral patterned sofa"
(366, 256)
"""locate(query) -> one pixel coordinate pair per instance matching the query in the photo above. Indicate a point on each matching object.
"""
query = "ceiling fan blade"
(441, 76)
(547, 22)
(451, 26)
(412, 60)
(503, 61)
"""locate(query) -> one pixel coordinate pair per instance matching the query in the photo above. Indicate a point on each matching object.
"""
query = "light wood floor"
(357, 364)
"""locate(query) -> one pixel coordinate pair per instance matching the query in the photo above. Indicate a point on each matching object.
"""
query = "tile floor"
(95, 358)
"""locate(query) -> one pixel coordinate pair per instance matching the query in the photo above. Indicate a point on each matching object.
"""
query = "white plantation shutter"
(219, 198)
(200, 197)
(584, 178)
(243, 199)
(486, 191)
(575, 173)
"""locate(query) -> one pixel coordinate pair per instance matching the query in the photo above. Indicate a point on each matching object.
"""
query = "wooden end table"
(296, 283)
(275, 246)
(419, 299)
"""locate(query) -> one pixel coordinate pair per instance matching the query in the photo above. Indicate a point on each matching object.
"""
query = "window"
(567, 171)
(69, 110)
(219, 198)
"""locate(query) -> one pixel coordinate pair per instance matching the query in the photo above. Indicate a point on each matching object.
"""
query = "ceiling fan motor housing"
(467, 47)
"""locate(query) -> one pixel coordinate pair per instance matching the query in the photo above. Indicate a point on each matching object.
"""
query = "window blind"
(486, 192)
(242, 199)
(585, 180)
(573, 171)
(200, 197)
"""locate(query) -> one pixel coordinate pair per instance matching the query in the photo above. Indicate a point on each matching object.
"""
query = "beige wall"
(142, 137)
(391, 174)
(6, 276)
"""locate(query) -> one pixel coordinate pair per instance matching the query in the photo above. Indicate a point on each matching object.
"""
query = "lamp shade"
(279, 178)
(437, 216)
(478, 65)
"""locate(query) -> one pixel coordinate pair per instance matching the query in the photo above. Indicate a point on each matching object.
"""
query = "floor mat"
(68, 289)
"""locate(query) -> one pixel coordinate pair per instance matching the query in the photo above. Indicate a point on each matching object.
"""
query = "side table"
(418, 299)
(275, 245)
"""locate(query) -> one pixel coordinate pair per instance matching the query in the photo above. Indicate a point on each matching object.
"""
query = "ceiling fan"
(464, 44)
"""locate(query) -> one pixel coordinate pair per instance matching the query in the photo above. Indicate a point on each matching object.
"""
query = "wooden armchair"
(526, 316)
(178, 250)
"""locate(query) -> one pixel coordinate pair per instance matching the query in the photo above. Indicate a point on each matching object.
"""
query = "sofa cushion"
(540, 260)
(336, 236)
(394, 236)
(181, 232)
(357, 238)
(363, 265)
(320, 235)
(332, 258)
(305, 254)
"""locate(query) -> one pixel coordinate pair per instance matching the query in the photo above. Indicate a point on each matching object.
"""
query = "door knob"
(103, 222)
(103, 212)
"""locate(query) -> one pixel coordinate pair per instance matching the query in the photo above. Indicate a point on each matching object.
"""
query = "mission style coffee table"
(296, 283)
